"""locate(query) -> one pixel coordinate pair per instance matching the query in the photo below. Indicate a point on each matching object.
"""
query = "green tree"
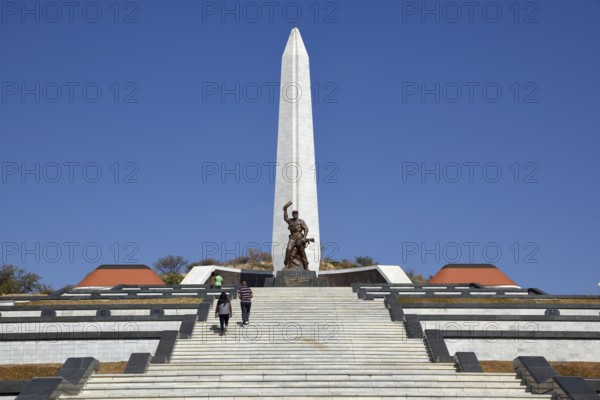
(365, 261)
(67, 288)
(256, 256)
(205, 261)
(253, 257)
(45, 289)
(172, 279)
(417, 278)
(14, 280)
(347, 263)
(170, 265)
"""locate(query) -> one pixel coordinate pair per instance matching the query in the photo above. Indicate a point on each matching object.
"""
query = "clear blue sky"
(398, 93)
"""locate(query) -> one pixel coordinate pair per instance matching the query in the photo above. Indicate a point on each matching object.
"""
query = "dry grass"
(185, 300)
(497, 366)
(589, 370)
(327, 266)
(260, 266)
(491, 300)
(112, 367)
(29, 371)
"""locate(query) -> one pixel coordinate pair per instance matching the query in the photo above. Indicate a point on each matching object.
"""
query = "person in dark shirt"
(245, 296)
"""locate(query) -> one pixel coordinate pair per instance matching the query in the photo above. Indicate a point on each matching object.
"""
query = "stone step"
(313, 312)
(356, 334)
(294, 305)
(301, 299)
(382, 318)
(256, 333)
(258, 338)
(252, 355)
(308, 368)
(316, 368)
(303, 295)
(298, 302)
(341, 315)
(307, 356)
(306, 384)
(322, 309)
(375, 320)
(341, 341)
(185, 366)
(410, 396)
(232, 341)
(241, 338)
(366, 323)
(272, 326)
(291, 341)
(302, 359)
(374, 327)
(278, 325)
(317, 314)
(351, 392)
(348, 334)
(317, 347)
(359, 367)
(268, 377)
(345, 315)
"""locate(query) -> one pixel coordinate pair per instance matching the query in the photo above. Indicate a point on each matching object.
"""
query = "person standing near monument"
(218, 281)
(297, 239)
(223, 311)
(245, 296)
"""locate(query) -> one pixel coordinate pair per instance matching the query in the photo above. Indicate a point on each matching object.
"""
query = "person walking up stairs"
(245, 296)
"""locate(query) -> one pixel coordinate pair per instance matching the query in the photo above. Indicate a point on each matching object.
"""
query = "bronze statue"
(295, 255)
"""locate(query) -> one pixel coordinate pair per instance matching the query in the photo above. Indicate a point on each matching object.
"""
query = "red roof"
(484, 274)
(113, 275)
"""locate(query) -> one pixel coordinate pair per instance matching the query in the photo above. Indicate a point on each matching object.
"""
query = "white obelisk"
(295, 179)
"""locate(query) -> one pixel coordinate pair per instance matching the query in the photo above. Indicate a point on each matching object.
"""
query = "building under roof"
(483, 274)
(113, 275)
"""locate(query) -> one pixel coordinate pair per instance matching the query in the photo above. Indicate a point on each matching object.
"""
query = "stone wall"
(31, 352)
(509, 349)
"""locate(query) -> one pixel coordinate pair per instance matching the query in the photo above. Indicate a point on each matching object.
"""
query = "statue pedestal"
(298, 278)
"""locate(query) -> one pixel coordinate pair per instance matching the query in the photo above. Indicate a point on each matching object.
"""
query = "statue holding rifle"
(295, 254)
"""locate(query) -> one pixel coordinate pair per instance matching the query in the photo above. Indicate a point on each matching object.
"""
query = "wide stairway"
(304, 343)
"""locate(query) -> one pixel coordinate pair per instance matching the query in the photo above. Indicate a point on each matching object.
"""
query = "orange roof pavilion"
(113, 275)
(484, 274)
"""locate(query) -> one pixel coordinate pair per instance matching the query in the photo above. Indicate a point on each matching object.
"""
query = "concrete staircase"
(304, 343)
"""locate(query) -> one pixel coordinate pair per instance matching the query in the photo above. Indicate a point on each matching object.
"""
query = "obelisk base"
(298, 278)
